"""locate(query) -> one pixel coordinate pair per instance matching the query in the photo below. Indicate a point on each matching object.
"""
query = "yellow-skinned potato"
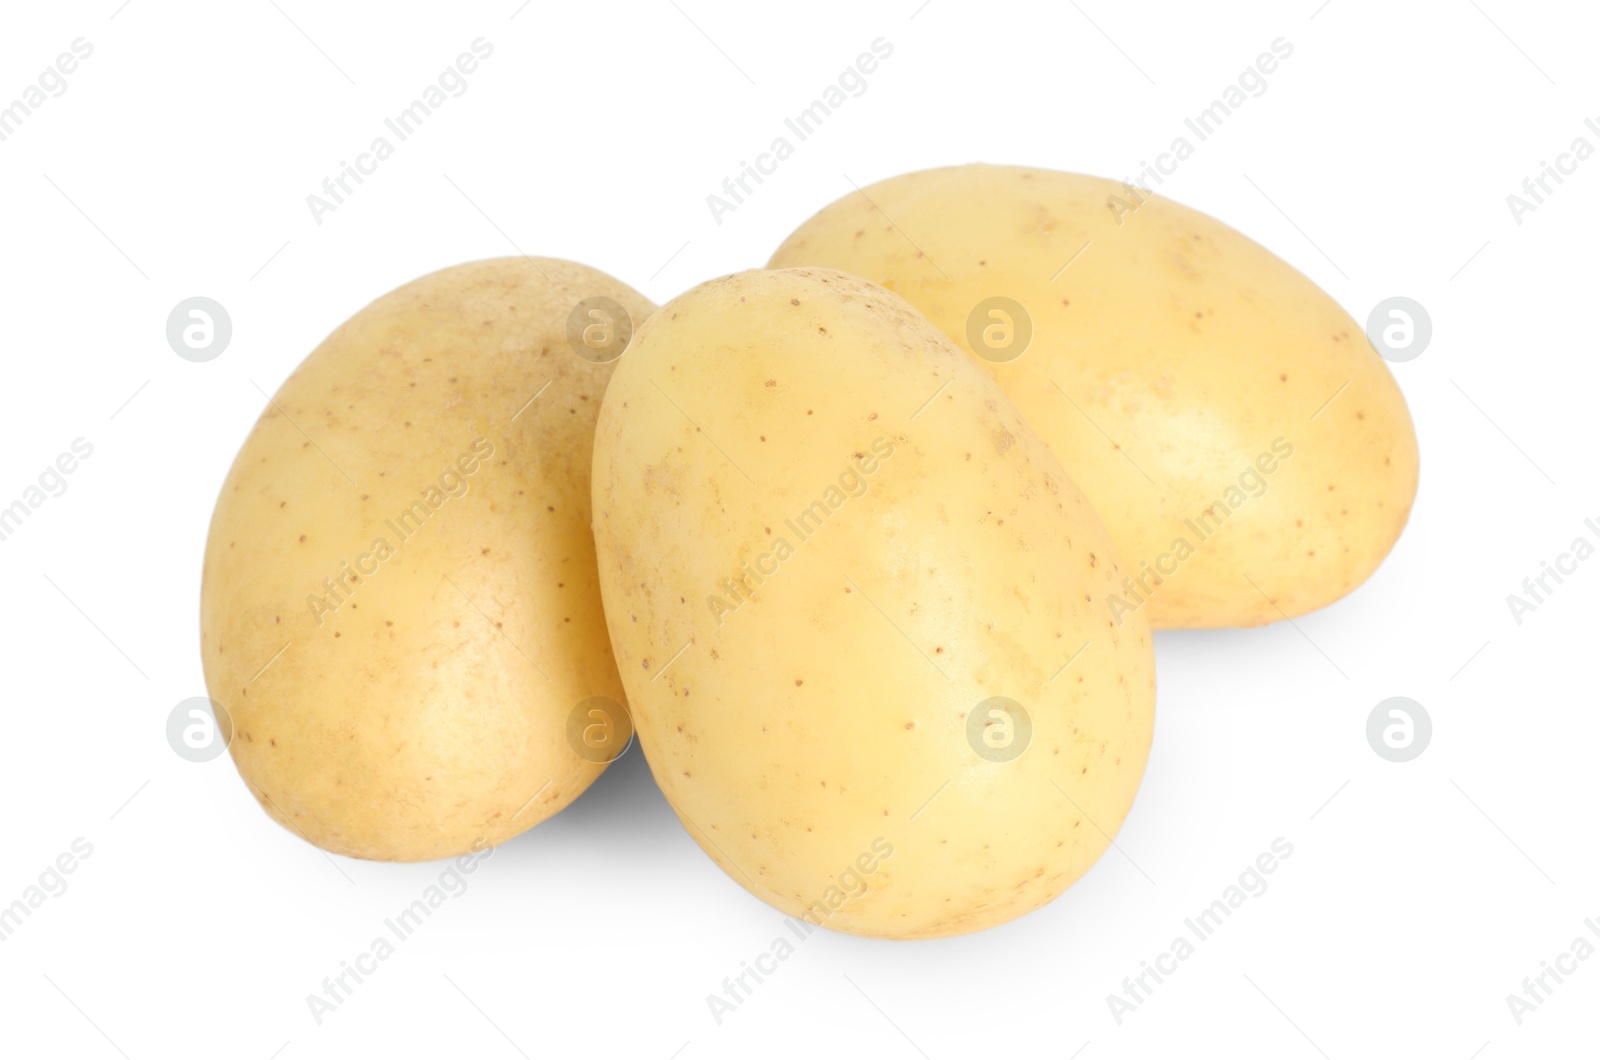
(860, 611)
(1250, 453)
(399, 609)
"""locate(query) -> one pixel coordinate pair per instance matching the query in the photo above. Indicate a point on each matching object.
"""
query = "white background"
(178, 163)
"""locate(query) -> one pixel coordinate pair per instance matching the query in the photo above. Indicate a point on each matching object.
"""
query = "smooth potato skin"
(411, 723)
(1186, 348)
(809, 724)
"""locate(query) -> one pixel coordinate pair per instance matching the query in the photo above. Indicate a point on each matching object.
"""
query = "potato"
(1248, 450)
(399, 607)
(859, 611)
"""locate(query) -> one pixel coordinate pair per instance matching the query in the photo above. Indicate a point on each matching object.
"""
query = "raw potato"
(908, 549)
(1173, 365)
(410, 700)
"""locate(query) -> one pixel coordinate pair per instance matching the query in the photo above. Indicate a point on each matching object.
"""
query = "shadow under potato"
(623, 807)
